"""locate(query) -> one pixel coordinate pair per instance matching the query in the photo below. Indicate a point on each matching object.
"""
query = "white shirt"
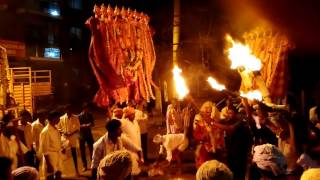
(131, 130)
(50, 140)
(36, 129)
(4, 146)
(9, 148)
(172, 142)
(104, 146)
(50, 145)
(142, 119)
(27, 129)
(70, 125)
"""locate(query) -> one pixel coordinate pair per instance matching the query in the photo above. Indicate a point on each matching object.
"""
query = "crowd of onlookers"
(27, 146)
(236, 139)
(247, 139)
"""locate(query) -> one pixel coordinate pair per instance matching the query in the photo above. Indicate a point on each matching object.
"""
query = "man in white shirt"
(173, 144)
(69, 126)
(131, 130)
(25, 128)
(110, 142)
(5, 136)
(25, 135)
(142, 119)
(50, 146)
(10, 146)
(130, 126)
(37, 127)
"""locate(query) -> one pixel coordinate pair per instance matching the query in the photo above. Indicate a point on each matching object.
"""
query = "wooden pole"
(176, 38)
(176, 31)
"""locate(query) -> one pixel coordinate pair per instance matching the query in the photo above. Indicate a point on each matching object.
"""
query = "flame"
(241, 56)
(215, 85)
(180, 84)
(252, 95)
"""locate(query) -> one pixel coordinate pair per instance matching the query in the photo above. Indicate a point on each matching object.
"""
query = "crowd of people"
(251, 139)
(243, 139)
(28, 144)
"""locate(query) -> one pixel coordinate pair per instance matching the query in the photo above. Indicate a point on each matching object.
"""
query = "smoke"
(298, 19)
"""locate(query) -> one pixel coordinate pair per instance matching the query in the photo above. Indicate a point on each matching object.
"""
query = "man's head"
(129, 112)
(262, 112)
(25, 116)
(25, 173)
(206, 109)
(114, 128)
(68, 110)
(214, 169)
(42, 116)
(231, 113)
(115, 165)
(7, 118)
(54, 117)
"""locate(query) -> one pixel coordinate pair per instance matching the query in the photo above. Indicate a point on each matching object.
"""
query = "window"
(75, 4)
(52, 53)
(54, 10)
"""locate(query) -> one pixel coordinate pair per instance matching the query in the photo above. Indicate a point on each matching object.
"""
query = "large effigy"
(122, 55)
(271, 47)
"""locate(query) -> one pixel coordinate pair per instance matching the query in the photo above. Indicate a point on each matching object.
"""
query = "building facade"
(50, 35)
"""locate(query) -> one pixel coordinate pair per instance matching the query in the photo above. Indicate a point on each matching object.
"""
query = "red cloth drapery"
(122, 55)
